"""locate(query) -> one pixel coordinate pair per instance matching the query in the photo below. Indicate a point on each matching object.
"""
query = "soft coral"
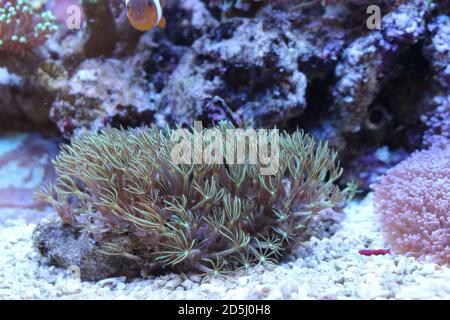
(413, 203)
(21, 28)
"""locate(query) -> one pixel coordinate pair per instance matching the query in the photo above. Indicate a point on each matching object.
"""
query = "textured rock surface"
(437, 51)
(104, 92)
(243, 62)
(369, 61)
(67, 249)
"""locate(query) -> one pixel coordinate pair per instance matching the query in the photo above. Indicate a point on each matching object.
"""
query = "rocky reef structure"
(368, 61)
(313, 65)
(94, 96)
(242, 62)
(437, 120)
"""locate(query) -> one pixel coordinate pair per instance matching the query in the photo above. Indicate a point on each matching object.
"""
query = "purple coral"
(413, 204)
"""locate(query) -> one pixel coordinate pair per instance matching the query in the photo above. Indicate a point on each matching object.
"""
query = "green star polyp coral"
(21, 28)
(209, 218)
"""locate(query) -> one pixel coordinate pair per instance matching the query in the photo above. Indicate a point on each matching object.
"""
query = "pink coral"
(413, 203)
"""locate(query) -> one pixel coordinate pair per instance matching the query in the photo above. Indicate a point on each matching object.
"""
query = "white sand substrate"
(328, 268)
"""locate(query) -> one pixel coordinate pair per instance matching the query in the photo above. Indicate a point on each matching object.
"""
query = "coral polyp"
(207, 218)
(413, 204)
(21, 28)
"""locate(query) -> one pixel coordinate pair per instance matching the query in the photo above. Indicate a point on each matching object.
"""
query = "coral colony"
(209, 218)
(413, 202)
(21, 28)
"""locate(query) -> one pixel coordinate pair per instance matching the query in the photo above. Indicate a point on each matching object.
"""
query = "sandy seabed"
(327, 268)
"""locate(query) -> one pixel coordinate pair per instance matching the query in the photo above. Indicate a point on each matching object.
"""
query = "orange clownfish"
(145, 14)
